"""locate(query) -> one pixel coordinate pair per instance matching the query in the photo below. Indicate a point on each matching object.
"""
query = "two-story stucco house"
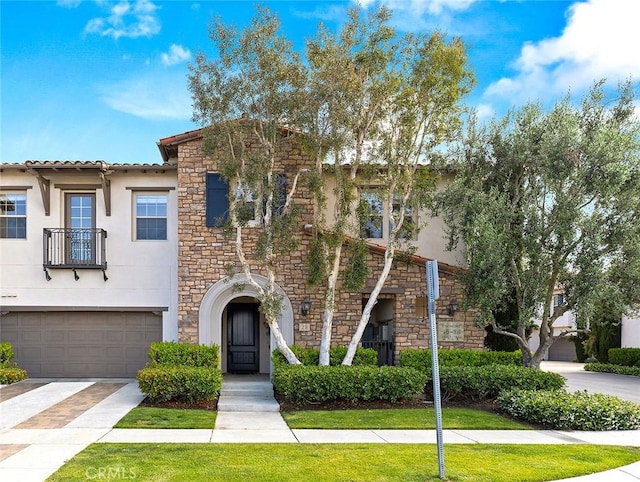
(88, 265)
(98, 261)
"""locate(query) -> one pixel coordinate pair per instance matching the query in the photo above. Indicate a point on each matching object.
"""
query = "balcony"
(74, 248)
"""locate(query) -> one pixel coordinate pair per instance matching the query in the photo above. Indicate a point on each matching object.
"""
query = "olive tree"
(548, 201)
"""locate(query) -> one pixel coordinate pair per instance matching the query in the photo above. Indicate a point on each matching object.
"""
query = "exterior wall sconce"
(305, 306)
(453, 307)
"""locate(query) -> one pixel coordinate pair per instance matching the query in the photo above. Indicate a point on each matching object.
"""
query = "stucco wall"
(140, 273)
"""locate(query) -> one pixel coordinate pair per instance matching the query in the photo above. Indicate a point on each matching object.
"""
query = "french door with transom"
(80, 223)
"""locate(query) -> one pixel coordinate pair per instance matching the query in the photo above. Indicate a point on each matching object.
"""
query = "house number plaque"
(451, 331)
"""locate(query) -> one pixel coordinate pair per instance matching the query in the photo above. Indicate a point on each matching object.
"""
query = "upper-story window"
(408, 230)
(372, 214)
(246, 207)
(250, 206)
(375, 216)
(558, 300)
(151, 216)
(13, 215)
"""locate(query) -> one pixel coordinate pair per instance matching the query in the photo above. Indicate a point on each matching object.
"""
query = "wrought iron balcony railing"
(74, 248)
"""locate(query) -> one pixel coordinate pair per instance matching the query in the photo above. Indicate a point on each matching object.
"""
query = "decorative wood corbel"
(106, 190)
(45, 190)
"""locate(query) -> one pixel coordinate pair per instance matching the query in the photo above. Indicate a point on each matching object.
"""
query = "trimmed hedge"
(316, 384)
(629, 357)
(11, 374)
(162, 383)
(172, 353)
(486, 382)
(559, 410)
(421, 359)
(609, 368)
(311, 356)
(181, 371)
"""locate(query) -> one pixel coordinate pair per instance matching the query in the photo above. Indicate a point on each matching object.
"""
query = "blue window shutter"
(217, 197)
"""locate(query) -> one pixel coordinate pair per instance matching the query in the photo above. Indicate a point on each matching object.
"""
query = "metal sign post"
(433, 290)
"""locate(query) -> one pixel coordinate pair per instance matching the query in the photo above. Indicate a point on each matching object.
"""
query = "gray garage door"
(81, 344)
(562, 350)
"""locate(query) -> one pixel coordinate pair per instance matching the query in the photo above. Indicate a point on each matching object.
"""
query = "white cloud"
(485, 111)
(127, 19)
(176, 54)
(153, 96)
(599, 41)
(420, 7)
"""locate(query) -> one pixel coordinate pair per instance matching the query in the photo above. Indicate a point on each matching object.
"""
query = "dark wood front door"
(242, 338)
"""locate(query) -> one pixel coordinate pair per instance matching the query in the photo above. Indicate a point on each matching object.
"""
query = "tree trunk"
(329, 307)
(281, 343)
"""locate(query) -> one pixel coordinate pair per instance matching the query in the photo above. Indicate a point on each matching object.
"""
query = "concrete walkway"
(32, 447)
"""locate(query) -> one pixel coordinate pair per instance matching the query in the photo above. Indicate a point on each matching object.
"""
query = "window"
(371, 214)
(13, 215)
(246, 208)
(151, 216)
(558, 300)
(250, 208)
(408, 230)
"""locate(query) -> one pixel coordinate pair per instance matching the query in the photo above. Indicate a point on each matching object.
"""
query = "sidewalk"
(29, 452)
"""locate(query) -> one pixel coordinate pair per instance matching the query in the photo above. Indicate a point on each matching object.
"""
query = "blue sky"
(104, 80)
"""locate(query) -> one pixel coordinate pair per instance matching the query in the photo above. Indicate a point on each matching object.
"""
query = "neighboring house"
(88, 258)
(630, 332)
(562, 349)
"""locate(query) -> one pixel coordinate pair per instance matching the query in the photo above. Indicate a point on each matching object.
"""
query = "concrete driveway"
(623, 386)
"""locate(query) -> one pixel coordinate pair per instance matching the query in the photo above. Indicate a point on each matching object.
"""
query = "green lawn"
(343, 462)
(153, 417)
(404, 418)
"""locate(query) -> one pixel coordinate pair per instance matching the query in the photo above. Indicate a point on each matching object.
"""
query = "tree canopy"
(548, 201)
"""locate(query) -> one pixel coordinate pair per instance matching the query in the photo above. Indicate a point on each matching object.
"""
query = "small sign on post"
(433, 290)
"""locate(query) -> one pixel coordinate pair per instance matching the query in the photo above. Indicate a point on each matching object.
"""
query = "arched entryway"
(222, 299)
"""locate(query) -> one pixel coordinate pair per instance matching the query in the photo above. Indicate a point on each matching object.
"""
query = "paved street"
(623, 386)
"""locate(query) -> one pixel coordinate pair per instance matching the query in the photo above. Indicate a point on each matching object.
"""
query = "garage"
(562, 350)
(112, 344)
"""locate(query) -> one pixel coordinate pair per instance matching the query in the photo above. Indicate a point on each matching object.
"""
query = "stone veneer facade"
(204, 252)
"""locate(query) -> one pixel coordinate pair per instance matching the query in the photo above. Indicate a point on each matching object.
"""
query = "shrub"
(421, 359)
(486, 382)
(300, 383)
(363, 356)
(628, 357)
(11, 374)
(181, 371)
(609, 368)
(161, 383)
(6, 354)
(560, 410)
(311, 356)
(171, 353)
